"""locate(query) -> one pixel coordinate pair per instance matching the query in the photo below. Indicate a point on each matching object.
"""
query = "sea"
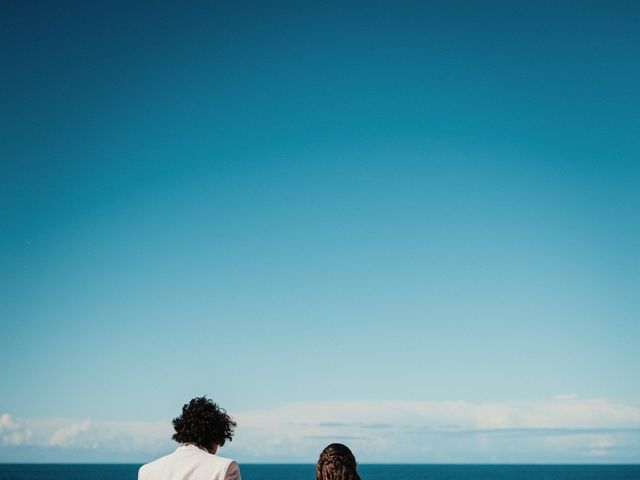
(367, 472)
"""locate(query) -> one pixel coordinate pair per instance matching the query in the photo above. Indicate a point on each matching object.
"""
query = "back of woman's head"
(336, 462)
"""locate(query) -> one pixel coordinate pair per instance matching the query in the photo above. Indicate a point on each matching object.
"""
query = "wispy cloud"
(13, 433)
(444, 431)
(72, 435)
(562, 429)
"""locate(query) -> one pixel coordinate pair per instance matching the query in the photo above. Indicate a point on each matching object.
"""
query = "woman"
(336, 462)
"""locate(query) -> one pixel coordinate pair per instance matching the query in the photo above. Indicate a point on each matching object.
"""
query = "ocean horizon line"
(363, 464)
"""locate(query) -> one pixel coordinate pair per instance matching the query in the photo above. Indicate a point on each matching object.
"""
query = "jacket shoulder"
(144, 470)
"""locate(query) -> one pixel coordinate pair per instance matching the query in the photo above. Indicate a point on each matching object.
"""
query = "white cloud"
(588, 444)
(13, 433)
(563, 429)
(70, 435)
(600, 445)
(566, 413)
(439, 431)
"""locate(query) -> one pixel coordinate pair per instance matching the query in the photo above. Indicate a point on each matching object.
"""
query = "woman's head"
(336, 462)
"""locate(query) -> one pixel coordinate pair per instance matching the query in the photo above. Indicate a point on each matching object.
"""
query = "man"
(201, 429)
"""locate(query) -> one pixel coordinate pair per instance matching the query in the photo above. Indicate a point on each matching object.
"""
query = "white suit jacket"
(189, 462)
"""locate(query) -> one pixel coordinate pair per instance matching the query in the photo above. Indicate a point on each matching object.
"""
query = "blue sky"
(314, 211)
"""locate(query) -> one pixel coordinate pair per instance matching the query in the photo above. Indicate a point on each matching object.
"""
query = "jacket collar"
(189, 446)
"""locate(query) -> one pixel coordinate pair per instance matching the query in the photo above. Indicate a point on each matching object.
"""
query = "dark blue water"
(367, 472)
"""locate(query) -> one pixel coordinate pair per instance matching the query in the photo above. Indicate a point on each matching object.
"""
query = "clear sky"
(337, 219)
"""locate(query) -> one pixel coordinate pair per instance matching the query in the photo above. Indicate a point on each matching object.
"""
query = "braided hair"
(336, 462)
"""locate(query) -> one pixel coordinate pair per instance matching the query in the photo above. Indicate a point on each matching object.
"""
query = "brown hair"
(336, 462)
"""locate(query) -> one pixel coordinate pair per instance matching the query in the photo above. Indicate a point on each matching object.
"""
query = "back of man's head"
(204, 424)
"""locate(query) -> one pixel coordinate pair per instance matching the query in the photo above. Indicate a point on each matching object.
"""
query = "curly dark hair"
(203, 424)
(336, 462)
